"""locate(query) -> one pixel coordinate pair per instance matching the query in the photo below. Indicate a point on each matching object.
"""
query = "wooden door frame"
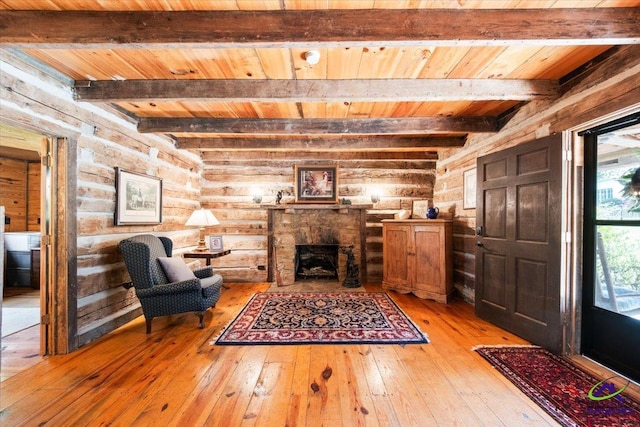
(573, 216)
(61, 260)
(58, 261)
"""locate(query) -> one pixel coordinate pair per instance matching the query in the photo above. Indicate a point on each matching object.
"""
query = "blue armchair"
(161, 282)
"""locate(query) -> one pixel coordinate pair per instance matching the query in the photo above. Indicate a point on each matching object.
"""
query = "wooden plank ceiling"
(393, 75)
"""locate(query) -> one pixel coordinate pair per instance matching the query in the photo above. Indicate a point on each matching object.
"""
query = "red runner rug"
(569, 394)
(321, 318)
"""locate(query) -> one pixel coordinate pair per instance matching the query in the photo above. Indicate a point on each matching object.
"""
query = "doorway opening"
(610, 329)
(23, 201)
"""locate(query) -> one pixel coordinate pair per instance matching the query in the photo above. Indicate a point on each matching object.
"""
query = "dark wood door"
(518, 240)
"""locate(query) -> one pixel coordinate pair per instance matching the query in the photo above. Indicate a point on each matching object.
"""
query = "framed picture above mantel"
(138, 198)
(316, 183)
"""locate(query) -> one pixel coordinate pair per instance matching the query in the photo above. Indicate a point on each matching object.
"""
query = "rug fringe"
(220, 332)
(479, 346)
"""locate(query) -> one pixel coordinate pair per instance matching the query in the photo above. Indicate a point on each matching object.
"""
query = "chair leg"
(200, 315)
(148, 322)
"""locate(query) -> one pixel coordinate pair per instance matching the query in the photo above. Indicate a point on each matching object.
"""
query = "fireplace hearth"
(316, 262)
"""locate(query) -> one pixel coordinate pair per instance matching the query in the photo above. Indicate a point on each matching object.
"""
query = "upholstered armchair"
(166, 285)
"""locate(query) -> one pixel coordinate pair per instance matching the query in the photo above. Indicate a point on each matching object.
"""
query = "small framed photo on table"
(215, 243)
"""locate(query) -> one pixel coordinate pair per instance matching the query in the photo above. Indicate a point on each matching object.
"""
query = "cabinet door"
(430, 274)
(397, 264)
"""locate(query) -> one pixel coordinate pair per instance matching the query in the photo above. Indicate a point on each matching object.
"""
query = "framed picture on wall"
(138, 198)
(316, 183)
(469, 189)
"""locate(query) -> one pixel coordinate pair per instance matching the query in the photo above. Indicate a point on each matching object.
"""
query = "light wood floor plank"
(233, 406)
(406, 400)
(176, 377)
(358, 407)
(300, 386)
(323, 404)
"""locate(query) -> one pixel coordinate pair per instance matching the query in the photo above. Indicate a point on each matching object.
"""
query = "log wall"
(609, 88)
(36, 101)
(229, 182)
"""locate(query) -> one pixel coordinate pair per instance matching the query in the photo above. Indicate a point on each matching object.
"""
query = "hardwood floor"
(175, 377)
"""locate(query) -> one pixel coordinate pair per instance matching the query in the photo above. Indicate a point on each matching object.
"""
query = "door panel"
(395, 255)
(495, 273)
(518, 253)
(531, 214)
(611, 285)
(530, 297)
(495, 225)
(429, 275)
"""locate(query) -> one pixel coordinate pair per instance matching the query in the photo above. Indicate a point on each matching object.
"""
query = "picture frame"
(316, 183)
(469, 189)
(215, 243)
(138, 198)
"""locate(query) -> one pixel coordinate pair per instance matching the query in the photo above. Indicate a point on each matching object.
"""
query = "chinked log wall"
(229, 179)
(104, 141)
(605, 89)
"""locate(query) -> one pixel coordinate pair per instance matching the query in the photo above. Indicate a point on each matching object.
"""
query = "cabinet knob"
(479, 244)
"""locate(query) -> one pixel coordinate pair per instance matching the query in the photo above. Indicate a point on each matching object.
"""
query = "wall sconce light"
(256, 195)
(374, 193)
(312, 57)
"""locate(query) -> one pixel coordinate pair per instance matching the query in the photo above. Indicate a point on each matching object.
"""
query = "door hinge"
(567, 155)
(567, 237)
(45, 319)
(45, 240)
(46, 160)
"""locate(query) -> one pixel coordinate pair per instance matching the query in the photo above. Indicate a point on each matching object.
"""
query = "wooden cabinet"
(18, 247)
(418, 257)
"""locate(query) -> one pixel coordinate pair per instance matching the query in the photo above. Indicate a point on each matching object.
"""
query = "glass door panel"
(611, 289)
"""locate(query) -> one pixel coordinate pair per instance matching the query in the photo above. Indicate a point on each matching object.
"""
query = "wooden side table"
(206, 255)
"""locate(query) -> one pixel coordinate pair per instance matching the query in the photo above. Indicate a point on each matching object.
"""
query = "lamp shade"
(202, 218)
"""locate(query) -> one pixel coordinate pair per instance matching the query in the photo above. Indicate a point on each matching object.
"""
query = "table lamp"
(202, 218)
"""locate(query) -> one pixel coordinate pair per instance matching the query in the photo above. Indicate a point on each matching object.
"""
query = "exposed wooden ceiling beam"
(388, 126)
(308, 28)
(371, 90)
(361, 143)
(232, 156)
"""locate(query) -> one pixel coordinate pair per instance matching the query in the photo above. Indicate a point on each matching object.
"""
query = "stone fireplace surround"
(314, 224)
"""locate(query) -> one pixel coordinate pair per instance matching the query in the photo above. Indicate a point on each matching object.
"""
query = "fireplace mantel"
(313, 224)
(307, 206)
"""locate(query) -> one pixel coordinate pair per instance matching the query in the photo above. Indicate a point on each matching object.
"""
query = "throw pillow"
(176, 269)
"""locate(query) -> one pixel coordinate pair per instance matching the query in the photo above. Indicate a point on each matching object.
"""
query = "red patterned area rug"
(321, 318)
(569, 394)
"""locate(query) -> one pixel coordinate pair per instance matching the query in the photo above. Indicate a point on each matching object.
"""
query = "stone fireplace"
(324, 228)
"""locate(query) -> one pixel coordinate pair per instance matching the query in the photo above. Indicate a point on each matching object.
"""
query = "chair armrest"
(203, 272)
(191, 285)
